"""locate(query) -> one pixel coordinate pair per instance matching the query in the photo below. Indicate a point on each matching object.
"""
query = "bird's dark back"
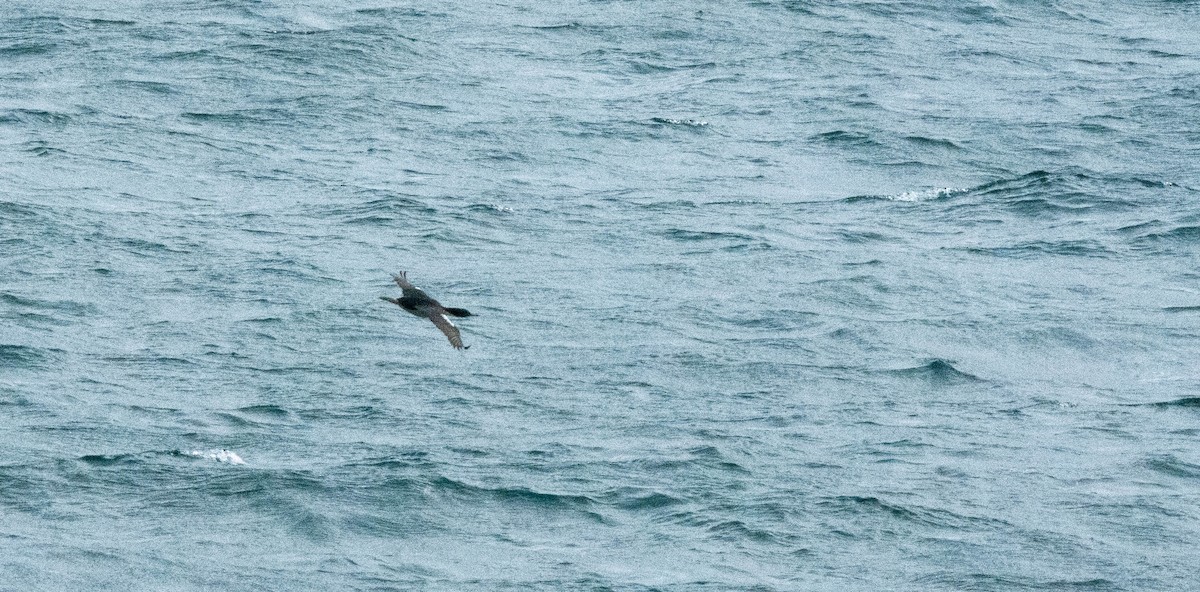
(411, 303)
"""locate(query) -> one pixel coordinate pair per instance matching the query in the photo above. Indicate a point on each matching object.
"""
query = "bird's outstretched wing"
(440, 319)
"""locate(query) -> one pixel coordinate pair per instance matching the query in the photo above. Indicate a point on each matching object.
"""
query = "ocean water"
(768, 295)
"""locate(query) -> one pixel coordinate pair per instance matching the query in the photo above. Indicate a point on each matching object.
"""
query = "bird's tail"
(392, 300)
(459, 312)
(401, 280)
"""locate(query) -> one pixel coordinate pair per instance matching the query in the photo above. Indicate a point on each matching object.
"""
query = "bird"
(417, 302)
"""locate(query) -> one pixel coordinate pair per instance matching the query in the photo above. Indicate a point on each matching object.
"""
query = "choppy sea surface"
(768, 295)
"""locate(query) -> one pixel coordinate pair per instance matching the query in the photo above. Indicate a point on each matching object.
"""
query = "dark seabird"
(417, 302)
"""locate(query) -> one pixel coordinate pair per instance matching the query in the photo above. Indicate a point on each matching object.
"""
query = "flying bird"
(417, 302)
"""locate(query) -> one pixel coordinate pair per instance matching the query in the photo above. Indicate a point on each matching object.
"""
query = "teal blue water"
(768, 296)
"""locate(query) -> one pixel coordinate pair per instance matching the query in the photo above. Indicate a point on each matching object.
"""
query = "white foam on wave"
(222, 455)
(687, 122)
(925, 195)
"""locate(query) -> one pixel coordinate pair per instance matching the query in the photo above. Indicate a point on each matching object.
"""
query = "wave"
(933, 142)
(914, 514)
(1185, 402)
(557, 27)
(1043, 193)
(220, 455)
(383, 211)
(69, 307)
(937, 370)
(105, 460)
(27, 49)
(271, 411)
(701, 235)
(692, 123)
(1193, 308)
(42, 148)
(24, 356)
(12, 210)
(1187, 234)
(636, 499)
(257, 416)
(517, 495)
(1035, 249)
(240, 117)
(845, 138)
(699, 457)
(1171, 466)
(922, 195)
(985, 581)
(1030, 194)
(58, 118)
(153, 86)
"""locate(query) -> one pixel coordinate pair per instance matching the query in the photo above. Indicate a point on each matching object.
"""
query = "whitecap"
(926, 194)
(222, 455)
(687, 122)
